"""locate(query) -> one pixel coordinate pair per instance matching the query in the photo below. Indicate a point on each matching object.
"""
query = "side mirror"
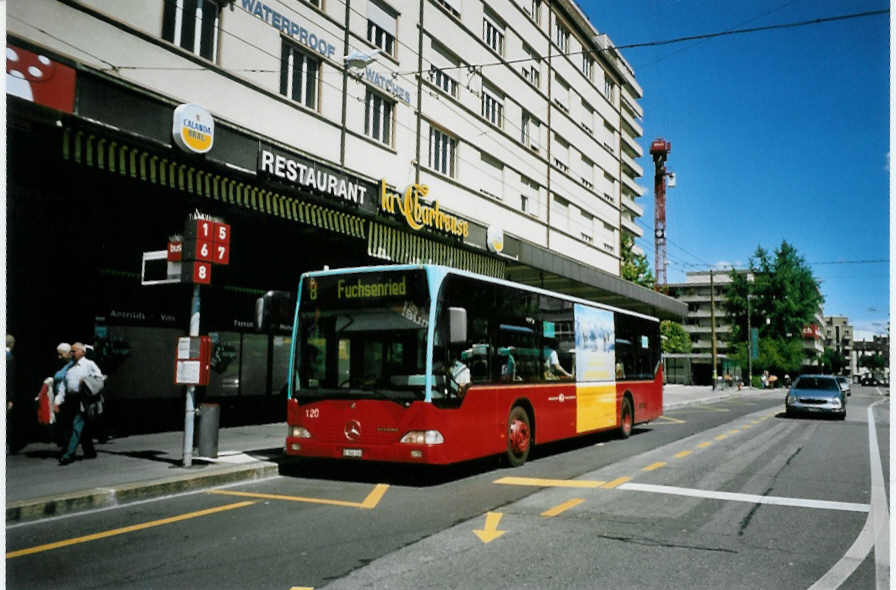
(457, 325)
(274, 311)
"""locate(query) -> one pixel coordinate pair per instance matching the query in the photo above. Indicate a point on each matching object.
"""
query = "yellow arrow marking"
(558, 483)
(683, 454)
(616, 482)
(127, 529)
(562, 507)
(369, 503)
(653, 466)
(673, 420)
(490, 532)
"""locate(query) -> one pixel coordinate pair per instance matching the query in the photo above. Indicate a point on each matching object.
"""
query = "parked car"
(844, 385)
(816, 394)
(869, 380)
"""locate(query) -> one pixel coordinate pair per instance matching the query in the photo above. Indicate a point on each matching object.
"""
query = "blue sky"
(775, 135)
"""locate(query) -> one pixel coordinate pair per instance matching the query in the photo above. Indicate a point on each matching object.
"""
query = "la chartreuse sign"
(418, 214)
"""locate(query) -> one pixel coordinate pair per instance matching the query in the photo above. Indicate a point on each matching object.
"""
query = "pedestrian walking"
(79, 389)
(62, 424)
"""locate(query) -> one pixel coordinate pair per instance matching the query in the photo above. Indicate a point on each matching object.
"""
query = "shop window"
(442, 152)
(381, 26)
(378, 117)
(193, 25)
(299, 73)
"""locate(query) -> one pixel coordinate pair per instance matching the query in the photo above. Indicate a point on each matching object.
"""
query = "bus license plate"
(356, 453)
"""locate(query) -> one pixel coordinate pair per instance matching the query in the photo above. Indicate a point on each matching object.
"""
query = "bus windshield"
(363, 336)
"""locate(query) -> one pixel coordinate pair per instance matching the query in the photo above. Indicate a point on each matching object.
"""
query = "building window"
(299, 72)
(451, 6)
(529, 201)
(443, 81)
(378, 117)
(532, 69)
(561, 153)
(193, 25)
(561, 92)
(492, 108)
(588, 66)
(531, 131)
(442, 152)
(444, 64)
(561, 36)
(588, 117)
(493, 34)
(533, 9)
(609, 88)
(381, 26)
(492, 178)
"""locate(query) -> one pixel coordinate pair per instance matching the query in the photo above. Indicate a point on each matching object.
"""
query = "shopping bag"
(45, 399)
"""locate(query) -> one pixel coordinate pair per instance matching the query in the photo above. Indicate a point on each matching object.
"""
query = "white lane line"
(880, 514)
(752, 498)
(868, 537)
(853, 558)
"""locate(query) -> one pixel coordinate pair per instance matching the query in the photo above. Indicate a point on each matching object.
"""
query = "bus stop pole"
(190, 409)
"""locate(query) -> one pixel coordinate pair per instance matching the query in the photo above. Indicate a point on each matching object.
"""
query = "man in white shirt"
(69, 389)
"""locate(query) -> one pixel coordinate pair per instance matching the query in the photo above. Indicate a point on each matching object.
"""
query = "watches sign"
(193, 129)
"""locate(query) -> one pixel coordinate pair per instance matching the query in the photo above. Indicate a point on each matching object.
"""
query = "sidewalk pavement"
(147, 466)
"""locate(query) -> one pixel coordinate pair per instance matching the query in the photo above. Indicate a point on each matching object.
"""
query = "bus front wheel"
(519, 436)
(626, 418)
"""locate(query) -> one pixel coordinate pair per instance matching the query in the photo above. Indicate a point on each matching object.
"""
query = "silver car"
(844, 385)
(816, 394)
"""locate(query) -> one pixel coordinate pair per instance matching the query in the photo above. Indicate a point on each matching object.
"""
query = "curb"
(57, 505)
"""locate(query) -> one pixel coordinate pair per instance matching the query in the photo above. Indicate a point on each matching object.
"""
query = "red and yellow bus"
(433, 365)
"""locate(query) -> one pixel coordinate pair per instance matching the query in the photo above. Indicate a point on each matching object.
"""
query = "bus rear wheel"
(626, 418)
(519, 436)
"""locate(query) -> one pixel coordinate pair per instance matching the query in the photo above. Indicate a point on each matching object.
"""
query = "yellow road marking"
(721, 437)
(490, 531)
(562, 507)
(123, 530)
(558, 483)
(703, 445)
(653, 466)
(369, 502)
(674, 420)
(683, 454)
(745, 426)
(302, 588)
(735, 431)
(616, 482)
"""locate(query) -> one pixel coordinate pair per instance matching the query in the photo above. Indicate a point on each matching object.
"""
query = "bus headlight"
(299, 432)
(423, 437)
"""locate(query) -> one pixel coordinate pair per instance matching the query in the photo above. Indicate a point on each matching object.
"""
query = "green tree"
(674, 338)
(784, 295)
(832, 361)
(634, 267)
(777, 356)
(784, 299)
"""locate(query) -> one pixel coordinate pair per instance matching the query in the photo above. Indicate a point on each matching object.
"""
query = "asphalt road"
(644, 513)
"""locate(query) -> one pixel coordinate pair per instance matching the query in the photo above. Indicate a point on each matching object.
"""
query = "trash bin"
(209, 418)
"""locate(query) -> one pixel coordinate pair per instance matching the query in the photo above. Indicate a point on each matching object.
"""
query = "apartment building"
(500, 137)
(838, 335)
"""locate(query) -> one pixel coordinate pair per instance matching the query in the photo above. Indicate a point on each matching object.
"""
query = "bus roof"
(464, 273)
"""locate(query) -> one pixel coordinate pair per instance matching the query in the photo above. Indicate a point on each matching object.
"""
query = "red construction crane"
(660, 149)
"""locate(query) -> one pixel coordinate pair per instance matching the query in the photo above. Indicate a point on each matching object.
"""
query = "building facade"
(437, 144)
(700, 294)
(838, 335)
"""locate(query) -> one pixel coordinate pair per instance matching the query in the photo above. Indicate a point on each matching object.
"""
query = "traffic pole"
(190, 405)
